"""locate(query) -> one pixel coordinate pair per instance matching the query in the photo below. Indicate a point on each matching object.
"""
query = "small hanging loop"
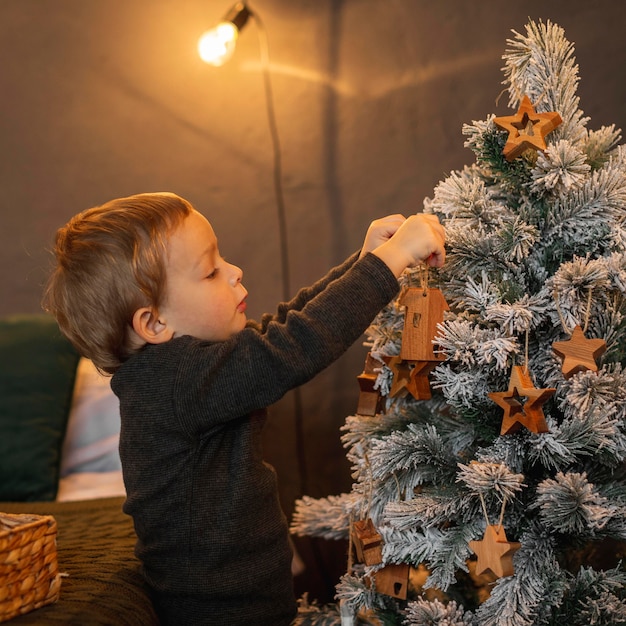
(502, 509)
(350, 544)
(588, 313)
(370, 486)
(502, 513)
(424, 278)
(482, 501)
(558, 310)
(526, 349)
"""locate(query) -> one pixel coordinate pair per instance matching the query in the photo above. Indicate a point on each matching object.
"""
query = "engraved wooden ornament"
(401, 371)
(419, 383)
(370, 398)
(410, 377)
(393, 580)
(512, 406)
(367, 542)
(494, 552)
(527, 129)
(579, 354)
(517, 413)
(424, 310)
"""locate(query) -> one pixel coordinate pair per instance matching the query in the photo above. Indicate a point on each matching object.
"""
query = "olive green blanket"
(102, 585)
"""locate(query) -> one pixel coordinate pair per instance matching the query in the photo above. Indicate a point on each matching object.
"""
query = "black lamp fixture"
(216, 46)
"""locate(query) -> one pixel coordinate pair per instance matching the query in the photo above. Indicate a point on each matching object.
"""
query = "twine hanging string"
(502, 509)
(482, 501)
(502, 513)
(587, 313)
(400, 493)
(370, 487)
(350, 544)
(526, 349)
(519, 96)
(424, 278)
(423, 272)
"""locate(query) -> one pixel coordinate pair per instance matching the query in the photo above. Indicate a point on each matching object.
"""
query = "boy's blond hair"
(110, 261)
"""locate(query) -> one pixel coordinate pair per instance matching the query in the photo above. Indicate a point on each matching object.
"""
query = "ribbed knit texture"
(211, 534)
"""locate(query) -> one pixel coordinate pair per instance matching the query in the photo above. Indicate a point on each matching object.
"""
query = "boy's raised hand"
(380, 231)
(402, 243)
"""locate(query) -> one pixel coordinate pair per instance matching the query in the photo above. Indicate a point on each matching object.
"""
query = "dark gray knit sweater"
(211, 534)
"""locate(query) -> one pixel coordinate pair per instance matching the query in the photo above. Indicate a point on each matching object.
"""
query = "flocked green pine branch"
(535, 246)
(435, 613)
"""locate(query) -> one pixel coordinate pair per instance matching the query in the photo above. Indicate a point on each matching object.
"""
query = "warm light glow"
(217, 45)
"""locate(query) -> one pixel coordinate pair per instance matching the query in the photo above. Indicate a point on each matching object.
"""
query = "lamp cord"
(278, 173)
(283, 236)
(286, 281)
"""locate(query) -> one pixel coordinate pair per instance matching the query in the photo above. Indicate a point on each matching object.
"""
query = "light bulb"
(217, 45)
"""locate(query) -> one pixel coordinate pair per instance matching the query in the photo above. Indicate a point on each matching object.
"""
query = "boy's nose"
(236, 275)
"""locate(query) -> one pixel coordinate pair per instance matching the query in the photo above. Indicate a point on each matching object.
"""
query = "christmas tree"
(489, 442)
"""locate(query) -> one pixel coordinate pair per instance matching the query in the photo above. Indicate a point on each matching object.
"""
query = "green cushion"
(37, 371)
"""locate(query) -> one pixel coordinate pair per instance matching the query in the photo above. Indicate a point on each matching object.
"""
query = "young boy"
(140, 288)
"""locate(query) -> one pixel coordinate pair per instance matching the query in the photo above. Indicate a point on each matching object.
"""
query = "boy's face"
(204, 295)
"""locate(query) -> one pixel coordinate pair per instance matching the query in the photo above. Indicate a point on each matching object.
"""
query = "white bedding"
(90, 461)
(91, 485)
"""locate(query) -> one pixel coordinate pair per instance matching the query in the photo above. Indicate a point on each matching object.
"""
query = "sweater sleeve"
(307, 293)
(252, 369)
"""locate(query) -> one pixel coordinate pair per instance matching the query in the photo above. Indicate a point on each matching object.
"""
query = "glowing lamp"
(217, 45)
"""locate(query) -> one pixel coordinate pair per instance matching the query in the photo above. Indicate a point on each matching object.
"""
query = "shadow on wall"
(370, 99)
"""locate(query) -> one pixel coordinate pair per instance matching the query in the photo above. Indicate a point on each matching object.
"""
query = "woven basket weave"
(29, 573)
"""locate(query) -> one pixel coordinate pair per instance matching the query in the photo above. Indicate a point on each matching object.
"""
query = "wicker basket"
(29, 573)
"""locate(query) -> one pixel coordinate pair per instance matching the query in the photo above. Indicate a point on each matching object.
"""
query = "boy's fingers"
(436, 259)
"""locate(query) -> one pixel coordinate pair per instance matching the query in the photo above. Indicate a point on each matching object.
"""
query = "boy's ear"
(147, 325)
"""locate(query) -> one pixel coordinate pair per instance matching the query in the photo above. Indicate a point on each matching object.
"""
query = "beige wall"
(102, 98)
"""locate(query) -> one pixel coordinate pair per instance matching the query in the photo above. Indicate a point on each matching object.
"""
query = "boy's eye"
(215, 270)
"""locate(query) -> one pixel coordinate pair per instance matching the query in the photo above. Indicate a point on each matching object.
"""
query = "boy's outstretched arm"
(402, 243)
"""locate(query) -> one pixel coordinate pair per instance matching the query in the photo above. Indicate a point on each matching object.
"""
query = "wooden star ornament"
(370, 398)
(510, 401)
(401, 374)
(419, 383)
(518, 413)
(527, 129)
(494, 552)
(410, 377)
(579, 354)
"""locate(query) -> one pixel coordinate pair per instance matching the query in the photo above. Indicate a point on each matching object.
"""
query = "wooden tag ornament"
(424, 310)
(494, 552)
(393, 580)
(579, 354)
(367, 542)
(517, 413)
(527, 129)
